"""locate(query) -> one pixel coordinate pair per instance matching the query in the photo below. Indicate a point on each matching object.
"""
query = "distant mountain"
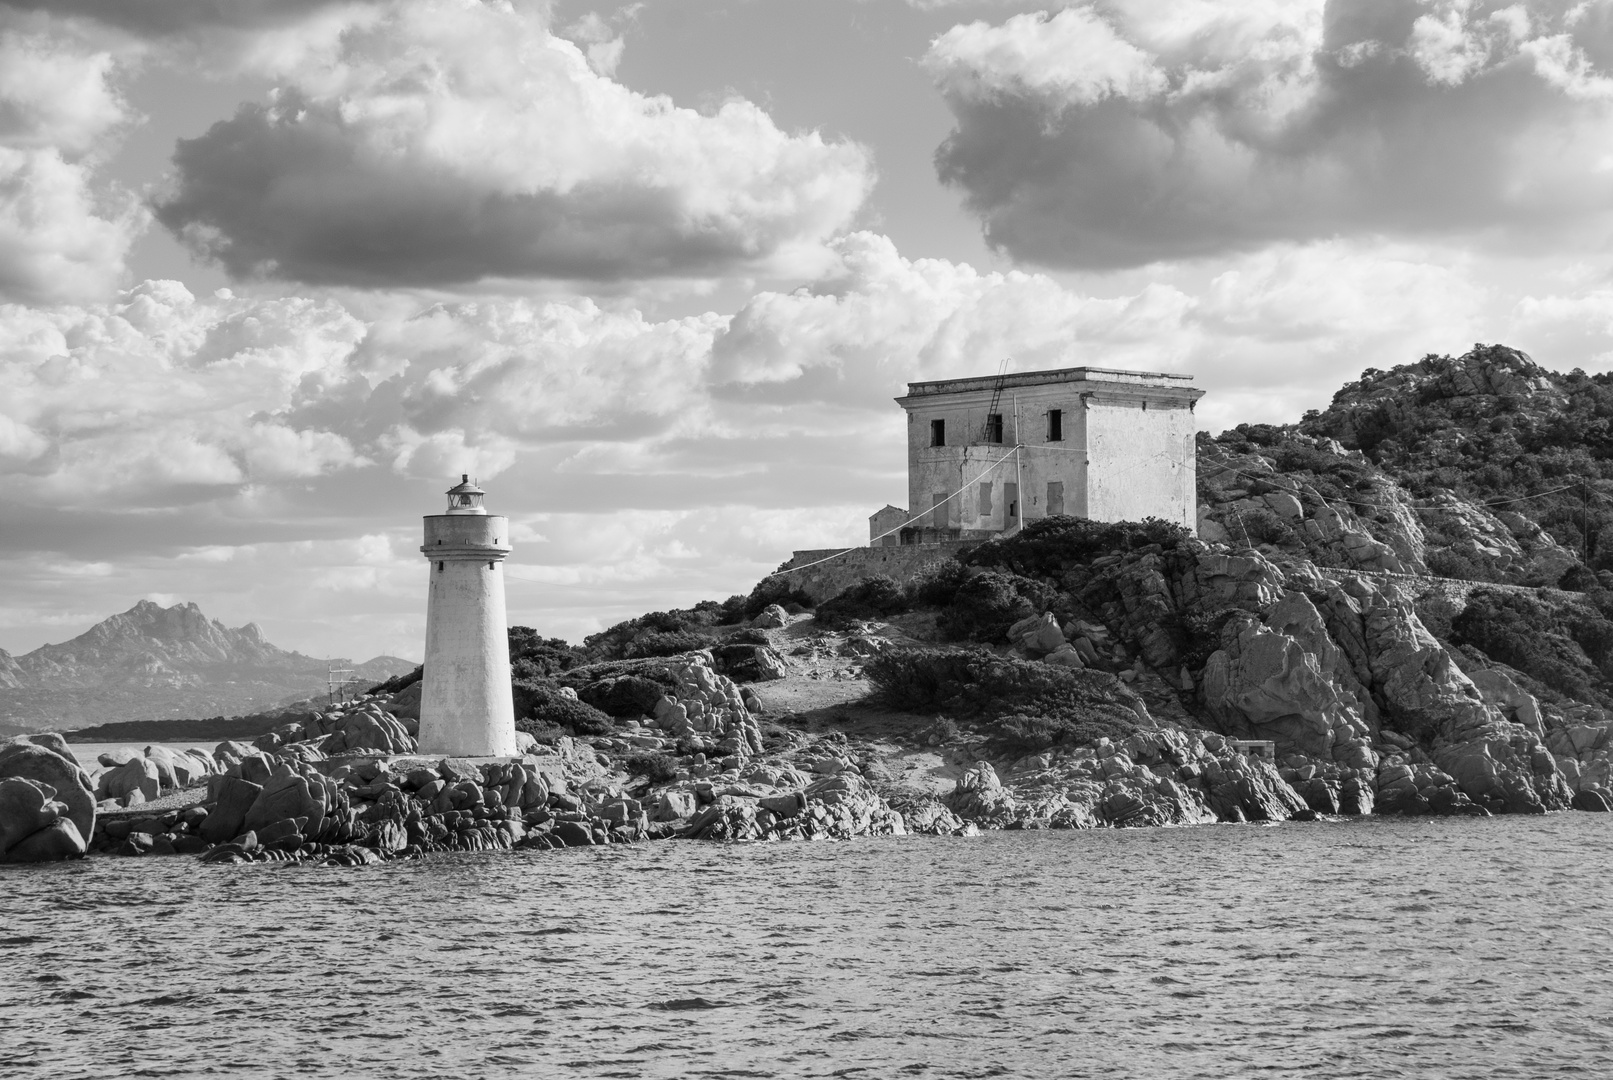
(157, 663)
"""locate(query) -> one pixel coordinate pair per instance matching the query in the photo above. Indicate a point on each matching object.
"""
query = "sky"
(274, 273)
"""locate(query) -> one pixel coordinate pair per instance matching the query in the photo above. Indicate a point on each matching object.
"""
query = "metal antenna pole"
(1019, 480)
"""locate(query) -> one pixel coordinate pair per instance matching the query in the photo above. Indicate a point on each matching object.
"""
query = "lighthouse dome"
(465, 497)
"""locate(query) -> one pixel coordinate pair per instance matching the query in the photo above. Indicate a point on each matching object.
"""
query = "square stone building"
(1093, 442)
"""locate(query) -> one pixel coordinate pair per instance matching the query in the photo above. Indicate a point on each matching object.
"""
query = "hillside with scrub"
(1407, 593)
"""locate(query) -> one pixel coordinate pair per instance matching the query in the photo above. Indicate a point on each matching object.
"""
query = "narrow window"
(994, 427)
(1055, 425)
(439, 568)
(1011, 499)
(938, 510)
(490, 566)
(985, 498)
(938, 432)
(1055, 498)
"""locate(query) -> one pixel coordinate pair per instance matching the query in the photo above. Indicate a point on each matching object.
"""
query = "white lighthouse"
(465, 705)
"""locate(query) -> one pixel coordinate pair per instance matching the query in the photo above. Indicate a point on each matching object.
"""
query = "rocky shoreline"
(346, 788)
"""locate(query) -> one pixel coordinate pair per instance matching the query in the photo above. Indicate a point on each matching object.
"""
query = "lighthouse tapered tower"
(465, 705)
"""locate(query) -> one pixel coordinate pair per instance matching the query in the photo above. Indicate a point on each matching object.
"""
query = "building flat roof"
(1057, 375)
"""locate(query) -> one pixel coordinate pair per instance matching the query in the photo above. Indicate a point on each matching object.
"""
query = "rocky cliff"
(152, 662)
(1407, 594)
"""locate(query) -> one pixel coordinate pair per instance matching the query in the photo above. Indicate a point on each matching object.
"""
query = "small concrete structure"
(883, 525)
(1264, 749)
(465, 705)
(1093, 442)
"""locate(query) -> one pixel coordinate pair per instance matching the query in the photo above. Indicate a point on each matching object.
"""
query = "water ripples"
(1442, 948)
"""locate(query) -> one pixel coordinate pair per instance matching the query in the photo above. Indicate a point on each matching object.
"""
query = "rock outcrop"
(47, 803)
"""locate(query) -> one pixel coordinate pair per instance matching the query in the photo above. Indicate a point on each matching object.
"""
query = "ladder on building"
(989, 430)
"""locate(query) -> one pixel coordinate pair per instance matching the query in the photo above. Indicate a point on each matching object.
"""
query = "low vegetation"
(1025, 706)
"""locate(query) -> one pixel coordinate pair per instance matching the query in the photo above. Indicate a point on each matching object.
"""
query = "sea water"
(1373, 948)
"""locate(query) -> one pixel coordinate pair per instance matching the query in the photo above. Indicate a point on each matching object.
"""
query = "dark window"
(938, 432)
(439, 568)
(1011, 498)
(490, 566)
(994, 427)
(1055, 425)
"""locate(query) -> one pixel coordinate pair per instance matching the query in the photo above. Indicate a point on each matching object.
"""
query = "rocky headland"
(1399, 606)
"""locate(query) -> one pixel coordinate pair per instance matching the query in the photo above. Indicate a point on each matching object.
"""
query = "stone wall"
(828, 579)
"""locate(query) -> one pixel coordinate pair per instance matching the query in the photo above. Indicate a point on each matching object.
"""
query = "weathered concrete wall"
(1141, 462)
(466, 708)
(1124, 449)
(831, 578)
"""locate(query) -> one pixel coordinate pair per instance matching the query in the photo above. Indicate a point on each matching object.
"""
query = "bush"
(1264, 527)
(1049, 546)
(535, 656)
(987, 604)
(937, 584)
(541, 730)
(871, 598)
(1031, 732)
(779, 589)
(974, 681)
(1544, 642)
(664, 643)
(398, 682)
(747, 636)
(1200, 632)
(539, 703)
(655, 669)
(657, 768)
(1578, 578)
(625, 695)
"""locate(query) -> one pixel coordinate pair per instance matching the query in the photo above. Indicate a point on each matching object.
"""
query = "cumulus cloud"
(222, 446)
(449, 141)
(1193, 128)
(60, 239)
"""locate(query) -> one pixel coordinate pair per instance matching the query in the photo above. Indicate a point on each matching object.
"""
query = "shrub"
(541, 730)
(538, 656)
(1200, 632)
(778, 589)
(1031, 732)
(987, 604)
(936, 584)
(625, 695)
(1443, 562)
(974, 681)
(398, 682)
(664, 643)
(1264, 527)
(747, 636)
(655, 669)
(1578, 578)
(656, 767)
(1543, 642)
(540, 703)
(1049, 546)
(871, 598)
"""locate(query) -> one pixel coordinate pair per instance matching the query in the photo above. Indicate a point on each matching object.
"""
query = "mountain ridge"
(152, 662)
